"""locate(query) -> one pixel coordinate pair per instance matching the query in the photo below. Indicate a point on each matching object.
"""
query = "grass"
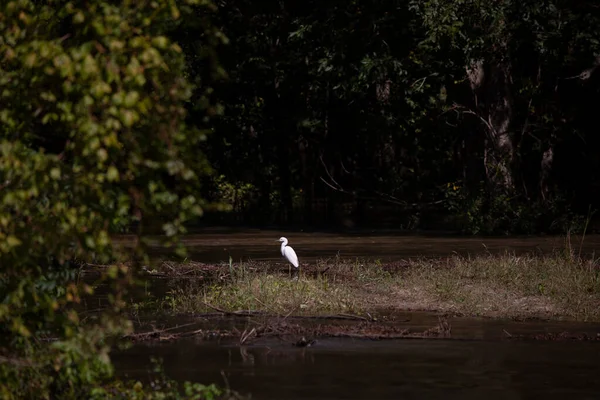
(511, 286)
(561, 285)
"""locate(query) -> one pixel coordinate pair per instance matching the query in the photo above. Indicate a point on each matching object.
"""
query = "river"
(479, 362)
(218, 245)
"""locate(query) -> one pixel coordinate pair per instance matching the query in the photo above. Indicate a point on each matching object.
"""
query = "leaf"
(78, 18)
(112, 271)
(63, 64)
(55, 173)
(131, 99)
(13, 241)
(128, 117)
(160, 42)
(102, 154)
(90, 67)
(112, 174)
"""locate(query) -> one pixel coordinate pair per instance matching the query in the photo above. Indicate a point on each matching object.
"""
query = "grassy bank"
(506, 285)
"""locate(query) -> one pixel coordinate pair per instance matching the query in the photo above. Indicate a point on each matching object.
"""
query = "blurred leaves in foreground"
(92, 138)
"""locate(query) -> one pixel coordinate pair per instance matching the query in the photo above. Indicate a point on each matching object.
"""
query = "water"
(361, 369)
(480, 361)
(218, 246)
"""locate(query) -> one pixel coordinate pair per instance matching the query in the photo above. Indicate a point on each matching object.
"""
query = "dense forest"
(471, 115)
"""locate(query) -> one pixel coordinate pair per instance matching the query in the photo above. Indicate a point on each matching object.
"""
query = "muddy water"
(480, 361)
(218, 246)
(407, 369)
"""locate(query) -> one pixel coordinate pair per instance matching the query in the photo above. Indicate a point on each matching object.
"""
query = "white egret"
(288, 252)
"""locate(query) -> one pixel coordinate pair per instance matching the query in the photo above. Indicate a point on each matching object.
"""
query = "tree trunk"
(282, 122)
(545, 169)
(283, 134)
(307, 181)
(493, 107)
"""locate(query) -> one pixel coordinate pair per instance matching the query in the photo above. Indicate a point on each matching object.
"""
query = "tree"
(372, 104)
(518, 60)
(93, 136)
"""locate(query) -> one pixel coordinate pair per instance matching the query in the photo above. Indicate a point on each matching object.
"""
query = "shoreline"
(495, 287)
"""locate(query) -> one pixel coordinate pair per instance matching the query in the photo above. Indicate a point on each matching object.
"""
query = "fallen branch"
(246, 335)
(240, 313)
(155, 332)
(557, 337)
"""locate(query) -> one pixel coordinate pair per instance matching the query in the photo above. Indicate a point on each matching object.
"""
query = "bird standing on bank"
(288, 252)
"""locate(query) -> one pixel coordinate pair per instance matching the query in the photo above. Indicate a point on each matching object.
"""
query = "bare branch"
(333, 184)
(491, 131)
(339, 187)
(391, 198)
(586, 74)
(344, 168)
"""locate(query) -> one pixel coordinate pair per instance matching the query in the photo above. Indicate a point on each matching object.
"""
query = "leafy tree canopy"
(92, 137)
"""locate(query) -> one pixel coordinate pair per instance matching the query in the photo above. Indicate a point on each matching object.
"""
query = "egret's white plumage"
(288, 252)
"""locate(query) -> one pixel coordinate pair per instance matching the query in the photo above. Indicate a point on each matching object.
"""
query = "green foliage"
(93, 137)
(235, 196)
(372, 102)
(481, 213)
(160, 388)
(327, 87)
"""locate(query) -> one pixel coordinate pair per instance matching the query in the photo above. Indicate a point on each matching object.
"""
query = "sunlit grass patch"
(499, 285)
(279, 294)
(511, 285)
(261, 288)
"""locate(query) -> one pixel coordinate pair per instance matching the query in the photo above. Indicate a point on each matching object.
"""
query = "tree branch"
(333, 184)
(586, 74)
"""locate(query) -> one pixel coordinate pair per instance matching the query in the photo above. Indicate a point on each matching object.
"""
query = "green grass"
(506, 285)
(261, 288)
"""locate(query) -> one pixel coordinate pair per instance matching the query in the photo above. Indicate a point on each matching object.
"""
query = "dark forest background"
(478, 116)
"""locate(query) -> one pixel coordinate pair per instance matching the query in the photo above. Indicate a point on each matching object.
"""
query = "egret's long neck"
(285, 242)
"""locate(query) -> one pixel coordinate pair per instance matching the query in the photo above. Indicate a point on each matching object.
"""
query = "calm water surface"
(405, 369)
(481, 365)
(217, 245)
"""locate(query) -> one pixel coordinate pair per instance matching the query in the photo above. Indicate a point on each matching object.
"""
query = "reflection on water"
(217, 246)
(357, 369)
(491, 368)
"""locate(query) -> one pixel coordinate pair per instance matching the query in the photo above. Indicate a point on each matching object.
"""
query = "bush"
(92, 138)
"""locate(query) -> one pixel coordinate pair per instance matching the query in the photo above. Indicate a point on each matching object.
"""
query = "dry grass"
(557, 286)
(511, 286)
